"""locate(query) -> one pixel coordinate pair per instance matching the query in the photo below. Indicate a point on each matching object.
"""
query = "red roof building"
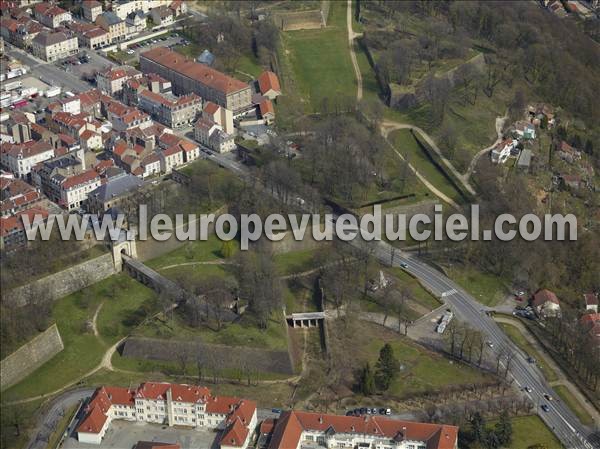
(196, 407)
(292, 426)
(269, 86)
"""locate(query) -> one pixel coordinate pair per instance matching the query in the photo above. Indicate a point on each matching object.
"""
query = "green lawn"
(194, 251)
(531, 430)
(295, 261)
(83, 350)
(423, 370)
(321, 61)
(24, 415)
(406, 144)
(514, 333)
(420, 295)
(486, 288)
(574, 404)
(244, 332)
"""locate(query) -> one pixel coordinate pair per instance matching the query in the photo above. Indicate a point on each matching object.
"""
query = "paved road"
(565, 425)
(48, 72)
(48, 421)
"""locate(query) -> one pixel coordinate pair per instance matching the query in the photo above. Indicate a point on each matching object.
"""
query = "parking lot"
(161, 41)
(124, 435)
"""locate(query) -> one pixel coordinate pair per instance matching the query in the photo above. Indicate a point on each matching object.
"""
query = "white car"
(490, 344)
(130, 52)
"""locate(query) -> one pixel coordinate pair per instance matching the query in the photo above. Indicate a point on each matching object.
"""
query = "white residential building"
(20, 158)
(172, 405)
(502, 151)
(296, 429)
(51, 46)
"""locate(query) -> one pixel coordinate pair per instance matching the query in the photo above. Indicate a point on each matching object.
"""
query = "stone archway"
(127, 247)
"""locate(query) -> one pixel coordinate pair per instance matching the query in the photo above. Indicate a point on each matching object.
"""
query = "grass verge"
(574, 404)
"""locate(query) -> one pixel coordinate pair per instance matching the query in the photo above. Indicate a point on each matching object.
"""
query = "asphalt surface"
(48, 72)
(48, 421)
(565, 425)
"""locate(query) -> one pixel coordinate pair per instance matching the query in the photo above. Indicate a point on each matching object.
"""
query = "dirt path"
(95, 321)
(499, 125)
(388, 126)
(351, 36)
(188, 264)
(562, 377)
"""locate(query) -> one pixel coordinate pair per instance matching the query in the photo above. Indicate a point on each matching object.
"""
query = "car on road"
(545, 408)
(530, 359)
(403, 264)
(528, 389)
(489, 343)
(548, 397)
(276, 410)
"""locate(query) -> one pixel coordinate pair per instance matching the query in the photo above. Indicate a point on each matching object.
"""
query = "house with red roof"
(591, 302)
(545, 303)
(12, 229)
(173, 405)
(269, 86)
(591, 323)
(111, 80)
(296, 429)
(50, 14)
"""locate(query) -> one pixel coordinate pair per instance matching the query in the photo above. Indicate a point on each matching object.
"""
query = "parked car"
(276, 410)
(363, 411)
(350, 413)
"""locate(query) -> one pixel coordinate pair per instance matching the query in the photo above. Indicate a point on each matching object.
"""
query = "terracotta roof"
(266, 107)
(211, 108)
(189, 393)
(290, 426)
(235, 434)
(200, 72)
(172, 151)
(14, 223)
(268, 81)
(84, 178)
(543, 296)
(267, 425)
(591, 299)
(87, 134)
(27, 149)
(153, 390)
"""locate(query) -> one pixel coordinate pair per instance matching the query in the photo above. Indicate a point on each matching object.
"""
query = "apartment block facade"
(172, 405)
(190, 76)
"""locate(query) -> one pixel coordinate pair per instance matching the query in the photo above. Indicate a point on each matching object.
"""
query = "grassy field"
(421, 295)
(321, 61)
(574, 404)
(405, 143)
(422, 370)
(530, 430)
(82, 351)
(486, 288)
(514, 333)
(295, 261)
(194, 251)
(246, 65)
(244, 332)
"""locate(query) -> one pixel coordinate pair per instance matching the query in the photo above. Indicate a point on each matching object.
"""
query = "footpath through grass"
(321, 61)
(514, 333)
(406, 144)
(126, 302)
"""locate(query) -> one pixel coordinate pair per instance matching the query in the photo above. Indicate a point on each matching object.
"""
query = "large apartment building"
(51, 46)
(190, 76)
(172, 405)
(295, 430)
(169, 110)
